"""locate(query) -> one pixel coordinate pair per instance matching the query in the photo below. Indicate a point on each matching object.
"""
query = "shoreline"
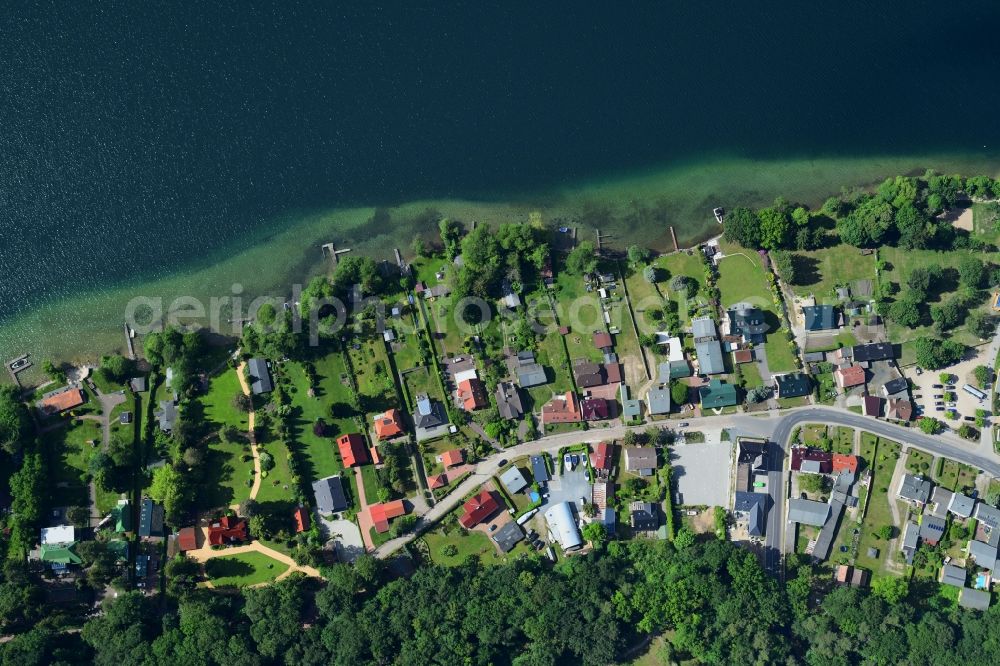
(635, 209)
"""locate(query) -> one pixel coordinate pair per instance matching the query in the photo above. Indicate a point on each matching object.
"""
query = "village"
(664, 397)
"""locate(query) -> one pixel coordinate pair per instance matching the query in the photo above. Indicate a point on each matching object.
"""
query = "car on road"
(502, 463)
(684, 424)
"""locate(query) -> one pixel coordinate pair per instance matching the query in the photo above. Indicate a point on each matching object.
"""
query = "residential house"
(509, 297)
(987, 515)
(166, 416)
(820, 318)
(478, 508)
(974, 599)
(872, 406)
(562, 524)
(793, 385)
(138, 384)
(707, 347)
(643, 516)
(508, 536)
(513, 480)
(595, 409)
(931, 529)
(876, 351)
(808, 512)
(58, 402)
(640, 460)
(741, 356)
(603, 456)
(539, 470)
(914, 489)
(228, 530)
(589, 374)
(187, 539)
(961, 505)
(899, 409)
(940, 501)
(382, 513)
(747, 322)
(911, 539)
(529, 373)
(150, 520)
(562, 409)
(429, 419)
(717, 394)
(813, 461)
(895, 388)
(631, 407)
(824, 541)
(58, 547)
(845, 463)
(260, 376)
(658, 400)
(509, 403)
(330, 497)
(452, 457)
(603, 341)
(848, 575)
(353, 449)
(849, 377)
(677, 369)
(984, 554)
(952, 575)
(301, 519)
(471, 394)
(389, 424)
(754, 506)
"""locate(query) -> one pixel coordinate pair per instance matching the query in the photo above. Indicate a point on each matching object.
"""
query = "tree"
(79, 516)
(866, 225)
(266, 315)
(971, 272)
(583, 259)
(801, 217)
(451, 233)
(915, 231)
(921, 278)
(679, 283)
(980, 324)
(776, 229)
(15, 422)
(932, 354)
(983, 374)
(356, 269)
(650, 274)
(685, 539)
(418, 247)
(116, 368)
(679, 392)
(758, 394)
(905, 312)
(949, 314)
(742, 227)
(885, 532)
(54, 372)
(637, 255)
(814, 483)
(930, 425)
(784, 263)
(595, 533)
(890, 588)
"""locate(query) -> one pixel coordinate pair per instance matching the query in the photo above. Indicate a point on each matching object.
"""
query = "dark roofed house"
(808, 512)
(819, 317)
(680, 369)
(150, 519)
(260, 376)
(137, 384)
(899, 410)
(814, 461)
(987, 515)
(974, 599)
(330, 496)
(640, 460)
(876, 351)
(914, 489)
(894, 386)
(793, 385)
(643, 516)
(594, 409)
(961, 505)
(755, 521)
(658, 400)
(931, 529)
(871, 405)
(166, 416)
(587, 373)
(509, 403)
(539, 470)
(911, 539)
(602, 340)
(529, 373)
(716, 395)
(952, 575)
(747, 322)
(508, 536)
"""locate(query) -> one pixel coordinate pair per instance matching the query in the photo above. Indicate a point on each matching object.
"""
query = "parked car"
(938, 386)
(685, 424)
(919, 370)
(502, 463)
(950, 387)
(939, 409)
(938, 396)
(970, 419)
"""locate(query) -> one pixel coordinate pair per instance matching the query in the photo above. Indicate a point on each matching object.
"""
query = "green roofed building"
(120, 549)
(123, 517)
(59, 553)
(718, 394)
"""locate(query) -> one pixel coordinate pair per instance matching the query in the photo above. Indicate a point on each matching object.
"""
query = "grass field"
(812, 433)
(218, 402)
(882, 457)
(332, 397)
(467, 544)
(742, 279)
(227, 476)
(243, 569)
(843, 440)
(421, 380)
(780, 353)
(918, 462)
(68, 451)
(277, 485)
(825, 269)
(956, 476)
(373, 376)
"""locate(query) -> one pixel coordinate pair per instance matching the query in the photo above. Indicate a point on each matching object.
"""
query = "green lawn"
(825, 269)
(780, 353)
(369, 476)
(581, 311)
(243, 569)
(956, 476)
(751, 374)
(277, 485)
(421, 380)
(373, 375)
(644, 295)
(467, 544)
(227, 476)
(68, 451)
(812, 433)
(332, 397)
(883, 457)
(218, 402)
(918, 462)
(742, 278)
(843, 440)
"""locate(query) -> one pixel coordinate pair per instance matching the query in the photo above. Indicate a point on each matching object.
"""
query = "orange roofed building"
(453, 457)
(472, 394)
(389, 424)
(562, 409)
(352, 449)
(845, 463)
(848, 377)
(301, 518)
(60, 402)
(382, 513)
(227, 530)
(477, 509)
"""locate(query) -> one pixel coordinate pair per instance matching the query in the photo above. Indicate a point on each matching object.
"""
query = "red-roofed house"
(438, 481)
(60, 402)
(376, 456)
(603, 456)
(301, 518)
(453, 457)
(613, 372)
(472, 394)
(602, 340)
(899, 409)
(594, 409)
(187, 539)
(352, 449)
(845, 463)
(227, 530)
(811, 460)
(477, 509)
(850, 376)
(382, 513)
(389, 424)
(872, 406)
(561, 409)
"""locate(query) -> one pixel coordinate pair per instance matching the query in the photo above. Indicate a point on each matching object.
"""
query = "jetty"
(129, 335)
(601, 238)
(330, 250)
(19, 364)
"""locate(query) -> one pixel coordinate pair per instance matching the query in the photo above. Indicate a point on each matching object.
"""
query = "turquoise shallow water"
(159, 149)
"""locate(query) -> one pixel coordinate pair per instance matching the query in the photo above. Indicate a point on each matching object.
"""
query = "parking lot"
(702, 473)
(570, 486)
(962, 373)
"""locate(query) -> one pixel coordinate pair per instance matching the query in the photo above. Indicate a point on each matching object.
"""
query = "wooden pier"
(674, 237)
(129, 334)
(330, 250)
(16, 365)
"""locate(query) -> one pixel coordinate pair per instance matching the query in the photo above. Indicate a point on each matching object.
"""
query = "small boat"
(720, 213)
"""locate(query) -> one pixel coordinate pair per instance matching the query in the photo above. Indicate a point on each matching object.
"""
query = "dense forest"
(712, 599)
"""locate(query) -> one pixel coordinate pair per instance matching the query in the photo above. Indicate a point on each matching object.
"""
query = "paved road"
(776, 429)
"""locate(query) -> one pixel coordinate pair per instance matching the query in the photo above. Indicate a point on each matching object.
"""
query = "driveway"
(347, 536)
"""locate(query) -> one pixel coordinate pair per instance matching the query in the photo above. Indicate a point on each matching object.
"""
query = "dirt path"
(250, 429)
(364, 517)
(206, 553)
